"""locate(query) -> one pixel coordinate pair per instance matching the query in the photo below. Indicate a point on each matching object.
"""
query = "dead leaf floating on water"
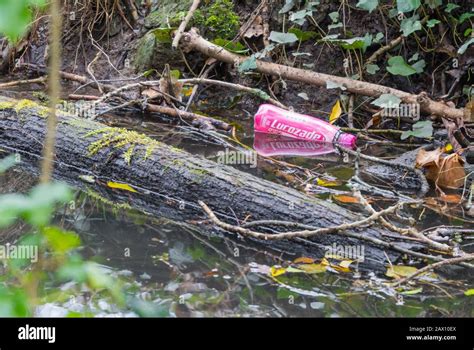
(445, 170)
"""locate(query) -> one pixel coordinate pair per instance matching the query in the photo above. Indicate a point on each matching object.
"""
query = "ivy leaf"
(423, 129)
(434, 3)
(398, 66)
(465, 16)
(450, 7)
(283, 38)
(289, 4)
(387, 101)
(419, 66)
(249, 64)
(407, 5)
(372, 68)
(432, 22)
(410, 25)
(303, 35)
(368, 5)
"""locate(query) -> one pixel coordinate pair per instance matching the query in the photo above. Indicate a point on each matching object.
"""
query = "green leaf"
(464, 47)
(164, 35)
(368, 5)
(398, 66)
(408, 5)
(350, 44)
(61, 241)
(432, 22)
(283, 38)
(378, 37)
(249, 64)
(334, 16)
(303, 35)
(410, 25)
(450, 7)
(419, 66)
(289, 4)
(465, 16)
(231, 46)
(434, 3)
(423, 129)
(387, 101)
(469, 292)
(372, 68)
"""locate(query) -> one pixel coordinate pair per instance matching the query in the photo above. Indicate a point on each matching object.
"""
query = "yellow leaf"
(398, 271)
(336, 112)
(327, 183)
(469, 292)
(448, 148)
(120, 186)
(277, 271)
(187, 91)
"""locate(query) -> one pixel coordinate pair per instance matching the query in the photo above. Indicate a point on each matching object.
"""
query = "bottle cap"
(347, 140)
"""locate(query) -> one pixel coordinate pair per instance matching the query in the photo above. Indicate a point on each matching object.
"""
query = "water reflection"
(269, 145)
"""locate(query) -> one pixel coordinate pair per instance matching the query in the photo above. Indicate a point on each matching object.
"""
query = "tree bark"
(169, 182)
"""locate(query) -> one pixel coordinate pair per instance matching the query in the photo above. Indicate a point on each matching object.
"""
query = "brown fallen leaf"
(451, 198)
(445, 170)
(346, 199)
(256, 29)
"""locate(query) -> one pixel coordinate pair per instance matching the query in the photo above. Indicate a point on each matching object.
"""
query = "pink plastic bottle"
(273, 120)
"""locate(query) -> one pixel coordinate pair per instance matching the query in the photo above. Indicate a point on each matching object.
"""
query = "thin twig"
(298, 234)
(254, 91)
(184, 23)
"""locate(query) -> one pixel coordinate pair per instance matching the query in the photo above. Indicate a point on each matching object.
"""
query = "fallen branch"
(114, 91)
(40, 80)
(193, 41)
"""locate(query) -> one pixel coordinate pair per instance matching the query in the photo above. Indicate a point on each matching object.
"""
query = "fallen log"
(193, 41)
(156, 170)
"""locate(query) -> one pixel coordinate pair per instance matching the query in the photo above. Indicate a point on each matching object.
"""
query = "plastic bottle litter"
(269, 145)
(273, 120)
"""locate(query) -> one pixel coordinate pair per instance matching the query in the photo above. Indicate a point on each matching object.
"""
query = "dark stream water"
(185, 272)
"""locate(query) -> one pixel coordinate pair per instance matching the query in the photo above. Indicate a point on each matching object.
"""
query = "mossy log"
(169, 182)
